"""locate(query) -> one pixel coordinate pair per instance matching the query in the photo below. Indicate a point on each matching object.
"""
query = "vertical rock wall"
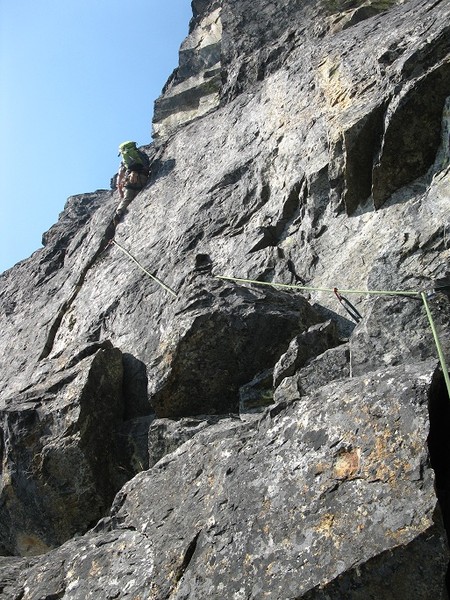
(236, 440)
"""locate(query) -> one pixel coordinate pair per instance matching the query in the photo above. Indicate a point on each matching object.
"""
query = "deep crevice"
(189, 553)
(362, 142)
(439, 448)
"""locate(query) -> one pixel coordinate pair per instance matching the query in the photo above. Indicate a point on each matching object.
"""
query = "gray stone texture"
(244, 440)
(276, 508)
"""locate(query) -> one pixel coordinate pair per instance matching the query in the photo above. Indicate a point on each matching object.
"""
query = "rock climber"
(132, 176)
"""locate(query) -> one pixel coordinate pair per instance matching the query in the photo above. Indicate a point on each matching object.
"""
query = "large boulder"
(220, 337)
(332, 494)
(61, 456)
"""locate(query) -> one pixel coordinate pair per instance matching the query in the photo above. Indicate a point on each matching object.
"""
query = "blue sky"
(77, 78)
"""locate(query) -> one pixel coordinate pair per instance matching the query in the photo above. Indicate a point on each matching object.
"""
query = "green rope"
(361, 292)
(158, 281)
(315, 289)
(437, 342)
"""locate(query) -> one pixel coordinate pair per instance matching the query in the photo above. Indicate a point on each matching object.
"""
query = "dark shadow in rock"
(166, 435)
(257, 395)
(136, 402)
(362, 142)
(134, 444)
(138, 416)
(413, 135)
(442, 285)
(345, 327)
(203, 263)
(230, 333)
(439, 447)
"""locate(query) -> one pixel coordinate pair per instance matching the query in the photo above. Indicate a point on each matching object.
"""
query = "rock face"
(264, 510)
(61, 458)
(194, 87)
(217, 341)
(168, 431)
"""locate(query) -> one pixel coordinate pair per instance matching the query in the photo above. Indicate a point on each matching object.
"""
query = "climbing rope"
(158, 281)
(315, 289)
(349, 307)
(436, 341)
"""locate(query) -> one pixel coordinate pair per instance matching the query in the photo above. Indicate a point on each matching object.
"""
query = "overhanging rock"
(219, 338)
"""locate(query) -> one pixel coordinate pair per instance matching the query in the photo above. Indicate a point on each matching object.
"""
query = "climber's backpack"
(135, 160)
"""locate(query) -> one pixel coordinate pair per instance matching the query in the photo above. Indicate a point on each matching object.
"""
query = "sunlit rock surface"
(168, 433)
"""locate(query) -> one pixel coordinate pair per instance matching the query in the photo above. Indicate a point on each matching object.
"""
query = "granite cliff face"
(221, 439)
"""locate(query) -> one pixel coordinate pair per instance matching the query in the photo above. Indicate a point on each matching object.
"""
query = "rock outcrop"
(194, 87)
(169, 430)
(62, 464)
